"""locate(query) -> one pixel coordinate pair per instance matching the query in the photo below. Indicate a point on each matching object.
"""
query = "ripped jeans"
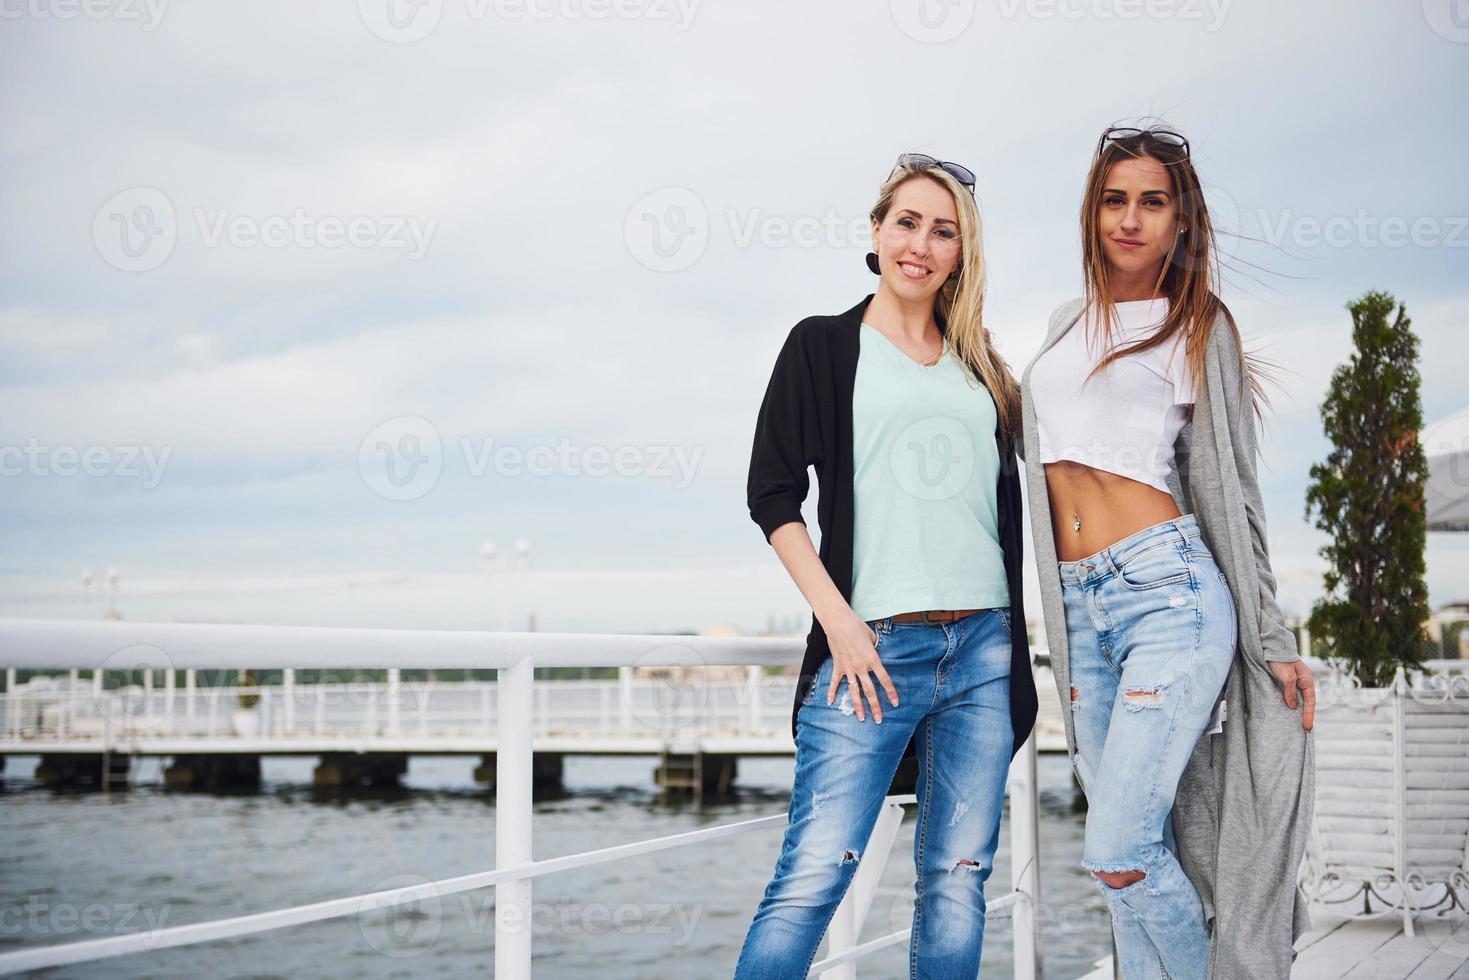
(1150, 630)
(953, 684)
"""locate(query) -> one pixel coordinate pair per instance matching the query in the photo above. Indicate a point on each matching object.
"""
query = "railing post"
(752, 715)
(170, 691)
(288, 692)
(395, 697)
(624, 718)
(513, 749)
(1025, 875)
(851, 914)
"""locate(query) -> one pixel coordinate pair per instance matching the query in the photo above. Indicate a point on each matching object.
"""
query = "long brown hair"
(959, 305)
(1189, 274)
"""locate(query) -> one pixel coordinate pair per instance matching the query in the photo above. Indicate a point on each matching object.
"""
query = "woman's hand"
(1296, 676)
(854, 656)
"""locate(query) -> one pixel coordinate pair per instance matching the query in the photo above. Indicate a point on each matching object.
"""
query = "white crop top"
(1126, 419)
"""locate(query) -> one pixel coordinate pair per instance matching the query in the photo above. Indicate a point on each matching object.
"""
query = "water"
(80, 865)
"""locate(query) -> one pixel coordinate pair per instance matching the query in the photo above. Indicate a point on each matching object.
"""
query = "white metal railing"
(1390, 828)
(78, 710)
(53, 645)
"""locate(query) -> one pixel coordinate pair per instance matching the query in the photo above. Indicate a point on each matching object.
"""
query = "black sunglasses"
(920, 161)
(1167, 136)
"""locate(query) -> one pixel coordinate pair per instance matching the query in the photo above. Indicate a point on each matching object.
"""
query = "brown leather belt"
(933, 617)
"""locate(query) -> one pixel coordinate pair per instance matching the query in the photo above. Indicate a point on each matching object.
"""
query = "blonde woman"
(1188, 708)
(917, 642)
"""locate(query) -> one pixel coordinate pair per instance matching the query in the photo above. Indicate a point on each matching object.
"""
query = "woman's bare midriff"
(1110, 507)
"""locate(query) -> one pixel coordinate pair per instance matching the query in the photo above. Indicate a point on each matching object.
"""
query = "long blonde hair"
(959, 305)
(1189, 274)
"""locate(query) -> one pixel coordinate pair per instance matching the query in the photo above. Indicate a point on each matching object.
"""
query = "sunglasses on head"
(1167, 136)
(921, 161)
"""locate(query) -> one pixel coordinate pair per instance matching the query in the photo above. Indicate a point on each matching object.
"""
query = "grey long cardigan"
(1243, 808)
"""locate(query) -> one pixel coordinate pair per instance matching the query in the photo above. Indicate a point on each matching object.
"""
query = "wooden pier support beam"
(546, 769)
(341, 769)
(228, 771)
(92, 770)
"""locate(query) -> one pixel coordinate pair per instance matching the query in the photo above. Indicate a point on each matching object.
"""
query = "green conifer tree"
(1368, 498)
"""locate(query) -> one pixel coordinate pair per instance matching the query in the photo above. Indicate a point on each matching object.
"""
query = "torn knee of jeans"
(850, 857)
(1075, 698)
(1138, 698)
(967, 865)
(1119, 875)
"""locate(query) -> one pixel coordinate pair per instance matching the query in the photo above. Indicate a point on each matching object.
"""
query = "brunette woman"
(917, 642)
(1188, 708)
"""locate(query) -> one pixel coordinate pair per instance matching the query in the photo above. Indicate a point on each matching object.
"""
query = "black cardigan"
(806, 419)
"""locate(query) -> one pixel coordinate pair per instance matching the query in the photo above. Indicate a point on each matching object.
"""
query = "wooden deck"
(1378, 949)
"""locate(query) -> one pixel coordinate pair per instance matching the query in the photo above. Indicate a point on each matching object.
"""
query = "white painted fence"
(1391, 828)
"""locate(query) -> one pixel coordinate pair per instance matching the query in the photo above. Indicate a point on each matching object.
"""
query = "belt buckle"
(930, 622)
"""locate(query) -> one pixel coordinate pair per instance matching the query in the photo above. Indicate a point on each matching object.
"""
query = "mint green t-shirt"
(925, 470)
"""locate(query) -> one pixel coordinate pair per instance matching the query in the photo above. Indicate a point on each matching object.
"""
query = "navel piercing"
(1076, 522)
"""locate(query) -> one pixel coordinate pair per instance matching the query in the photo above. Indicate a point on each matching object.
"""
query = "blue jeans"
(1150, 627)
(953, 684)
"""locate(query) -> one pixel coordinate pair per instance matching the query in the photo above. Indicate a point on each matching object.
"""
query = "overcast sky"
(304, 302)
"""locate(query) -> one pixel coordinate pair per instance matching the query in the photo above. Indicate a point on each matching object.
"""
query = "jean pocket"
(819, 682)
(1004, 615)
(1153, 569)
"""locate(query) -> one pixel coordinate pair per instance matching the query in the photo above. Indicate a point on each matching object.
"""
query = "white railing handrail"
(44, 644)
(62, 644)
